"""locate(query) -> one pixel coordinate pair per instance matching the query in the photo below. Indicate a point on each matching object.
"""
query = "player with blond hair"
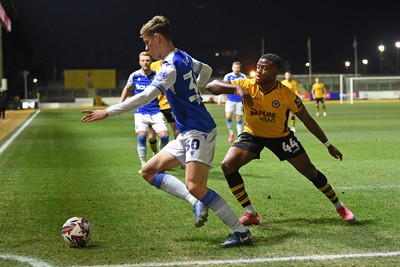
(180, 78)
(149, 117)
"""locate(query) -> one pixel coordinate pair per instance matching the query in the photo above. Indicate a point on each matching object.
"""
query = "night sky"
(49, 36)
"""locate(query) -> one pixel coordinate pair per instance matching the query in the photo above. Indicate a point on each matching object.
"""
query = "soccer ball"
(76, 231)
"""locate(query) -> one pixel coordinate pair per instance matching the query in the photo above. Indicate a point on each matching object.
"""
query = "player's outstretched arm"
(94, 115)
(131, 103)
(217, 87)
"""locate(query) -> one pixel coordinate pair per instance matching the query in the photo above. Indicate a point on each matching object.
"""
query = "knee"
(164, 139)
(191, 188)
(142, 140)
(195, 190)
(310, 172)
(148, 172)
(227, 167)
(320, 179)
(312, 175)
(304, 166)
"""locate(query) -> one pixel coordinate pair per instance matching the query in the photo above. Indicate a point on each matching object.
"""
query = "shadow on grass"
(261, 240)
(88, 247)
(273, 233)
(326, 221)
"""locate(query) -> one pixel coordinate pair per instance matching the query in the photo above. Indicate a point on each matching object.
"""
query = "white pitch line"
(37, 263)
(257, 260)
(367, 187)
(12, 138)
(30, 261)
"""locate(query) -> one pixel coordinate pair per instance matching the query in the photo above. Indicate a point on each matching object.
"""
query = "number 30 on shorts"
(192, 144)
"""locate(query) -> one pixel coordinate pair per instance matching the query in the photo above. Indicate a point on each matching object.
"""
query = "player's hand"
(335, 152)
(246, 97)
(94, 115)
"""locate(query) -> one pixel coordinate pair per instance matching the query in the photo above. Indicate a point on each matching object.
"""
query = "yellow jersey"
(269, 115)
(162, 99)
(156, 65)
(318, 90)
(292, 85)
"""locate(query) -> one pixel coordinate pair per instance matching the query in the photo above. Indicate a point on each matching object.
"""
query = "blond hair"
(144, 54)
(158, 24)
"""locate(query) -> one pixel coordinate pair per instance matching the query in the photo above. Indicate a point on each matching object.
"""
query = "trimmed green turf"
(60, 167)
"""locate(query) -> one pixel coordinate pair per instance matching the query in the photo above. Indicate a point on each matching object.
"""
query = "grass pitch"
(59, 167)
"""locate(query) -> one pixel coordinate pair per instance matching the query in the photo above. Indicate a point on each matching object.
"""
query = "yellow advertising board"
(90, 79)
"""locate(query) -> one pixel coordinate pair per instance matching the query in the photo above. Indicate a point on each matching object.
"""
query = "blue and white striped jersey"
(177, 78)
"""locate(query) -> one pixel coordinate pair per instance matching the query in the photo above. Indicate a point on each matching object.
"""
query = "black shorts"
(168, 114)
(284, 148)
(322, 100)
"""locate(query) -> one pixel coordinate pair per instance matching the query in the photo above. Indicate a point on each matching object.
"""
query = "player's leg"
(174, 128)
(153, 140)
(229, 109)
(196, 179)
(239, 124)
(323, 107)
(160, 127)
(199, 159)
(169, 116)
(153, 173)
(173, 155)
(317, 107)
(141, 128)
(141, 148)
(164, 138)
(303, 164)
(239, 117)
(241, 153)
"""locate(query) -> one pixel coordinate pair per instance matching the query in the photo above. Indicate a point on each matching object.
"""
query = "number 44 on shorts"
(291, 146)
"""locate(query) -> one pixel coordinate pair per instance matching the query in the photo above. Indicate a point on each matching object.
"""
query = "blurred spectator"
(3, 102)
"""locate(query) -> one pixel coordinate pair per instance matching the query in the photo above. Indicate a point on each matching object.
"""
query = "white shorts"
(143, 122)
(193, 146)
(236, 107)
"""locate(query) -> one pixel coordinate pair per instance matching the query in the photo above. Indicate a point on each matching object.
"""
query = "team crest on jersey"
(276, 104)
